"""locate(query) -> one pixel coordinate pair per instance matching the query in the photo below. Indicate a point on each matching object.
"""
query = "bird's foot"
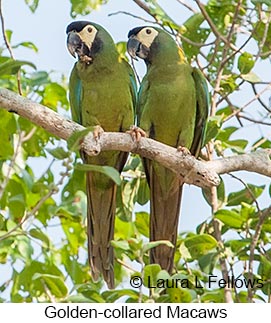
(136, 133)
(97, 131)
(86, 59)
(185, 151)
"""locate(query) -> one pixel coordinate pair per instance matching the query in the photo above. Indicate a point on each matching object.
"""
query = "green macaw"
(102, 92)
(173, 109)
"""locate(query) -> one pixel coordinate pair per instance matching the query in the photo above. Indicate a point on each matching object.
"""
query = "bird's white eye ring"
(148, 31)
(89, 29)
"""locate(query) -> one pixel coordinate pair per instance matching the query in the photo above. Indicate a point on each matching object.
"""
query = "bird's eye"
(148, 31)
(89, 29)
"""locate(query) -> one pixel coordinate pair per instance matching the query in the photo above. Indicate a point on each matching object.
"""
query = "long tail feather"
(101, 218)
(101, 209)
(166, 195)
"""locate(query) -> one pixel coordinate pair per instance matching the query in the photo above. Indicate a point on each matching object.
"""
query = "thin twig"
(4, 32)
(143, 6)
(264, 37)
(259, 98)
(131, 15)
(11, 164)
(47, 291)
(262, 217)
(213, 26)
(254, 121)
(186, 5)
(9, 48)
(248, 190)
(237, 111)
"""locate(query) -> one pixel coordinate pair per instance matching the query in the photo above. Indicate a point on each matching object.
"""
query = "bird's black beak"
(74, 43)
(133, 47)
(136, 49)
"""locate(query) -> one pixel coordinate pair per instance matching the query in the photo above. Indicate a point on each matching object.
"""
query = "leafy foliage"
(42, 186)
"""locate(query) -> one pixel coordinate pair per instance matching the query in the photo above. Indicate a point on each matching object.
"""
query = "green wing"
(142, 98)
(75, 95)
(133, 84)
(202, 95)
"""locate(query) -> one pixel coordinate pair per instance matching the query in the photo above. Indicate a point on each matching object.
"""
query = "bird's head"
(153, 45)
(83, 40)
(140, 41)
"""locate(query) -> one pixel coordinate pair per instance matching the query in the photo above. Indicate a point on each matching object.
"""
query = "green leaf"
(77, 272)
(200, 245)
(53, 95)
(38, 234)
(123, 229)
(245, 63)
(16, 198)
(23, 281)
(38, 78)
(109, 171)
(112, 295)
(143, 194)
(251, 77)
(58, 153)
(32, 4)
(75, 140)
(73, 229)
(213, 128)
(208, 262)
(247, 195)
(159, 13)
(8, 128)
(238, 245)
(2, 222)
(126, 198)
(153, 244)
(24, 247)
(78, 298)
(221, 197)
(76, 183)
(262, 30)
(185, 254)
(195, 33)
(120, 244)
(225, 133)
(142, 223)
(8, 33)
(55, 284)
(237, 146)
(150, 274)
(214, 296)
(12, 66)
(267, 2)
(84, 7)
(27, 44)
(179, 295)
(230, 218)
(122, 49)
(89, 290)
(264, 270)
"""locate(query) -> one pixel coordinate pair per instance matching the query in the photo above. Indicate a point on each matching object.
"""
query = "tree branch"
(191, 170)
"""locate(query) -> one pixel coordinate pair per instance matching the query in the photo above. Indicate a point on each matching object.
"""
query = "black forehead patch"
(77, 26)
(135, 31)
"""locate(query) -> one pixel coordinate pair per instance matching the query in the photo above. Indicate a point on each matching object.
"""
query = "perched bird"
(102, 92)
(173, 109)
